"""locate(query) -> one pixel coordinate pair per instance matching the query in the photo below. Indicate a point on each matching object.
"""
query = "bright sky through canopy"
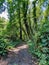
(4, 14)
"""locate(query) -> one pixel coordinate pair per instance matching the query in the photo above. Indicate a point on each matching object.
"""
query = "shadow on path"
(18, 56)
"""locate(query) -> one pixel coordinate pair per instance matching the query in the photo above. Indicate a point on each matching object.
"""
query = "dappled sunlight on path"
(19, 48)
(18, 56)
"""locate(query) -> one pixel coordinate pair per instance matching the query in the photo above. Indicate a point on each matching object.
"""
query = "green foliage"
(3, 46)
(1, 2)
(12, 44)
(26, 21)
(40, 44)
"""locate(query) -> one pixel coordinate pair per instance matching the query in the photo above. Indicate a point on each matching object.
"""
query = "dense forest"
(28, 21)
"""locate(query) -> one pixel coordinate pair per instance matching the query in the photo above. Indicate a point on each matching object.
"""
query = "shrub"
(39, 46)
(3, 46)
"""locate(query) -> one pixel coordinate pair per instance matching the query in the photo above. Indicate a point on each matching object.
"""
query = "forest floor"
(19, 56)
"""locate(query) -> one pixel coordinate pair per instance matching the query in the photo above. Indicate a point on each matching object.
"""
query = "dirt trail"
(19, 56)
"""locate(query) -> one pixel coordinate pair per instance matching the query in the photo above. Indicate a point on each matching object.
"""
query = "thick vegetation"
(27, 21)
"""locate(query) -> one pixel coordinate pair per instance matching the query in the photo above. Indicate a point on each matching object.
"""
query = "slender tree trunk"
(34, 15)
(25, 6)
(20, 23)
(31, 30)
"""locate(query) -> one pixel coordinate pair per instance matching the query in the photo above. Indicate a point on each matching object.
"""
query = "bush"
(39, 46)
(41, 51)
(3, 46)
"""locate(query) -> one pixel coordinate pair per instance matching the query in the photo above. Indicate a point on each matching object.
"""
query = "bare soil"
(19, 56)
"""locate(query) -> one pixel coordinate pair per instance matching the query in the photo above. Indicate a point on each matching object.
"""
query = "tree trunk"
(20, 23)
(34, 15)
(25, 6)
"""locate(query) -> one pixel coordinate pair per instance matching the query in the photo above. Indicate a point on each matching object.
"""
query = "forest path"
(19, 56)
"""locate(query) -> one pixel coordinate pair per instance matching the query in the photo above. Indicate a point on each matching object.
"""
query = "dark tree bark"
(34, 15)
(25, 6)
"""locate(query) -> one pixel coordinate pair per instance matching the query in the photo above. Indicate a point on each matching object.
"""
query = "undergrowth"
(39, 46)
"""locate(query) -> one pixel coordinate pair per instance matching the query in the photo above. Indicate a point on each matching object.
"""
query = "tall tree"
(19, 16)
(14, 10)
(34, 14)
(25, 10)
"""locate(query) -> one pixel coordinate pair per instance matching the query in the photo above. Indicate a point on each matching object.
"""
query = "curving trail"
(19, 56)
